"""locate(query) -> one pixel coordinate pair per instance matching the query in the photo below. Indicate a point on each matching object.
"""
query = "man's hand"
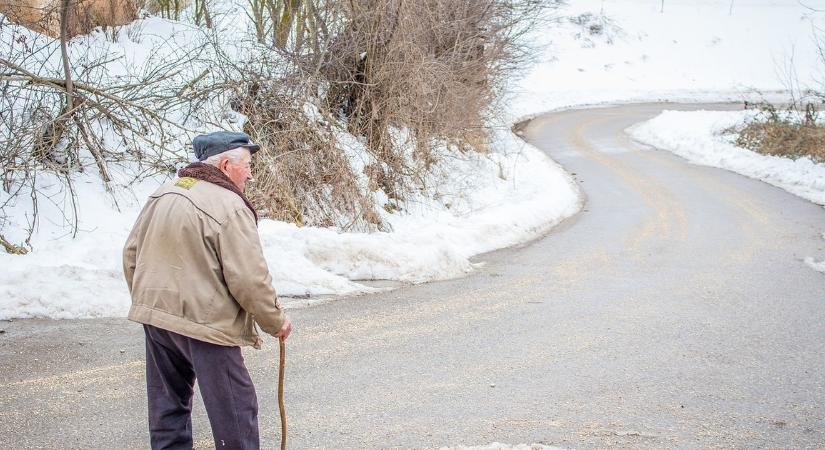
(286, 328)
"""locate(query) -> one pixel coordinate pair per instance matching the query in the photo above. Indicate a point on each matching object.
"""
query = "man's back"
(192, 259)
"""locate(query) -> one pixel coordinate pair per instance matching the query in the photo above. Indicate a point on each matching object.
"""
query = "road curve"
(673, 312)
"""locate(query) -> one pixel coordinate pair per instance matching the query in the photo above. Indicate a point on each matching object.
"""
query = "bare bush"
(794, 130)
(433, 67)
(793, 133)
(62, 116)
(301, 173)
(429, 71)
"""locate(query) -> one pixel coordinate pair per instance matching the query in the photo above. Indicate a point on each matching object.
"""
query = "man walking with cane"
(199, 284)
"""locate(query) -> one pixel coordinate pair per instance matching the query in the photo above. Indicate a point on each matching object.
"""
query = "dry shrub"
(778, 134)
(301, 175)
(67, 119)
(427, 70)
(43, 16)
(431, 66)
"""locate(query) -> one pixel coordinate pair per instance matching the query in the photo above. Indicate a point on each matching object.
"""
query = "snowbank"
(697, 136)
(483, 203)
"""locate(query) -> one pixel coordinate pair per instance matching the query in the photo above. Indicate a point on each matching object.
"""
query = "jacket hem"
(185, 327)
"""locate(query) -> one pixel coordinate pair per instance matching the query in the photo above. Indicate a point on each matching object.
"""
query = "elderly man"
(199, 283)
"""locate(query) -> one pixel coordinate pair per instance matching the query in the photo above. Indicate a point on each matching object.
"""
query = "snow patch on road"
(819, 266)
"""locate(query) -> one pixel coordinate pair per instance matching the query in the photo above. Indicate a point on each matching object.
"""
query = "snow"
(698, 137)
(693, 51)
(494, 202)
(819, 266)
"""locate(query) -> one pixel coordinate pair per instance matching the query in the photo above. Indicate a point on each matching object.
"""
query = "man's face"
(239, 172)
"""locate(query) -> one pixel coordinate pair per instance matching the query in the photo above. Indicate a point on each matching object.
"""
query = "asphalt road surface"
(673, 312)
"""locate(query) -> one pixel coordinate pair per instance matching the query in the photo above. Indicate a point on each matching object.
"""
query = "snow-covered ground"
(473, 203)
(699, 137)
(612, 51)
(596, 52)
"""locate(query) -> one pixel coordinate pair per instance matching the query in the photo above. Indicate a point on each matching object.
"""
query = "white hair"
(234, 155)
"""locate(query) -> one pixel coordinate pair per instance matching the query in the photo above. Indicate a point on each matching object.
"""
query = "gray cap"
(211, 144)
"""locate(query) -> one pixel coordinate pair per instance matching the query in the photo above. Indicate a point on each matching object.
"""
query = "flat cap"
(211, 144)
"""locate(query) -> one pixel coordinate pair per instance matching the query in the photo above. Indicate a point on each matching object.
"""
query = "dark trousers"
(173, 362)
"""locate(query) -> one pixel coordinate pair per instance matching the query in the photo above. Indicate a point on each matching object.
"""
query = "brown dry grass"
(772, 133)
(430, 66)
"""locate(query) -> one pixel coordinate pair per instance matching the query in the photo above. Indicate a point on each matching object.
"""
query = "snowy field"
(603, 52)
(596, 52)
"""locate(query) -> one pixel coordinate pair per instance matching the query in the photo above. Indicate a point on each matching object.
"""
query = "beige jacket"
(194, 265)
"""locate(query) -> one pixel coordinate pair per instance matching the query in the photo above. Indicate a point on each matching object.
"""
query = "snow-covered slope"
(691, 50)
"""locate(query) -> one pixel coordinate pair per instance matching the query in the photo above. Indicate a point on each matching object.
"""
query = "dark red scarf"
(212, 174)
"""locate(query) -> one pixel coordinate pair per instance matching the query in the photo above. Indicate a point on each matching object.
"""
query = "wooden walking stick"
(281, 407)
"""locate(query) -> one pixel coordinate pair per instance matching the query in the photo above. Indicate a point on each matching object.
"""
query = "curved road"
(673, 312)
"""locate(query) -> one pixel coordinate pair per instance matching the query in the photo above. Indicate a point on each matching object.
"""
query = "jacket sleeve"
(246, 273)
